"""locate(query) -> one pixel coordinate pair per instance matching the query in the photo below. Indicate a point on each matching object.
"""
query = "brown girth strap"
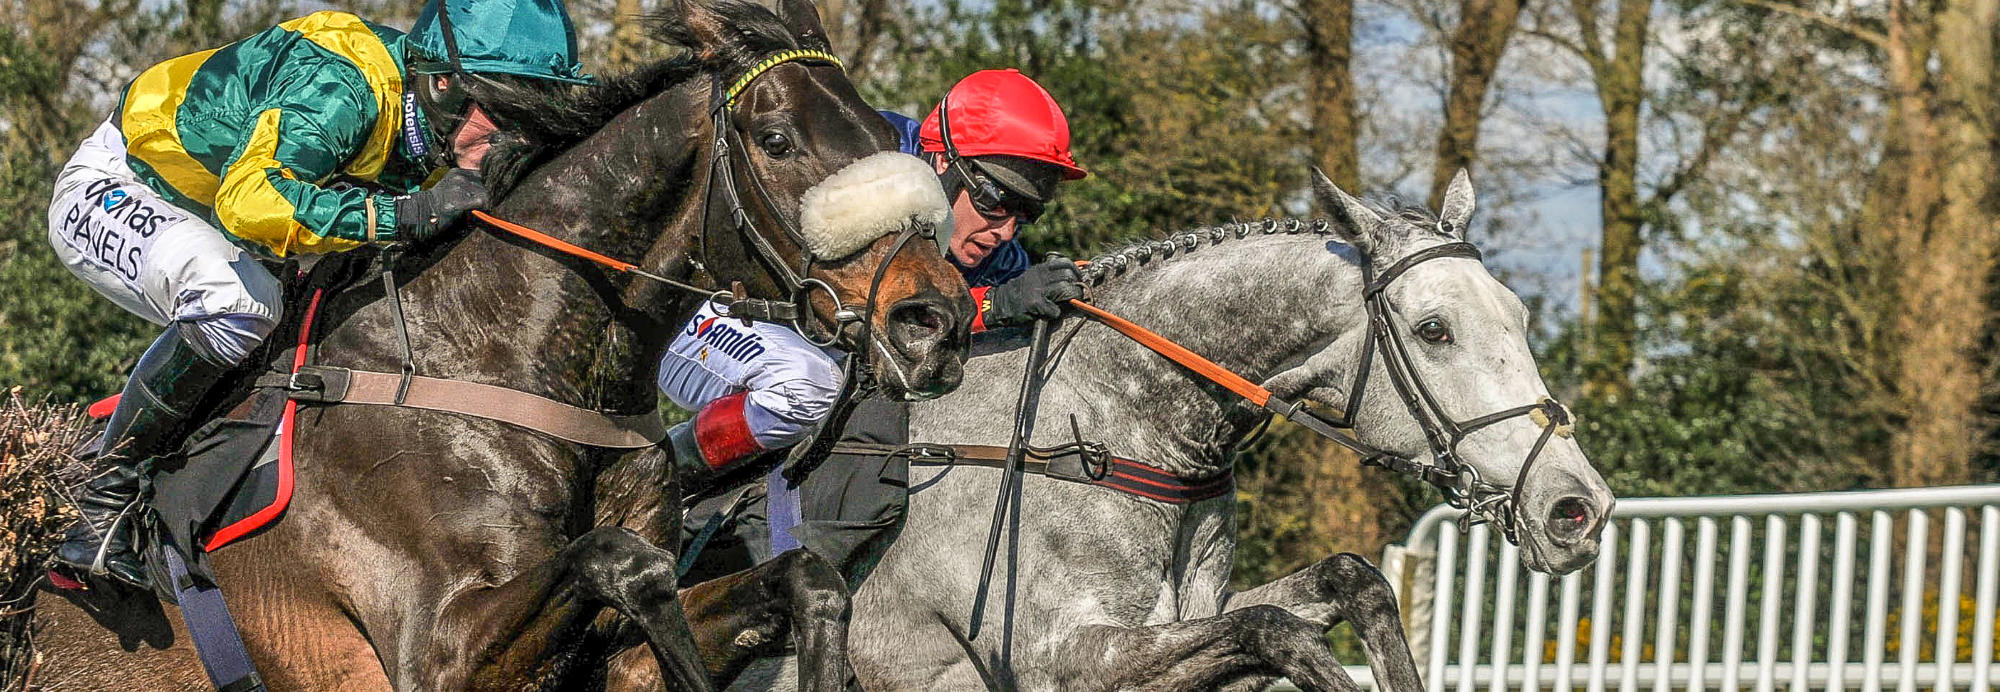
(329, 385)
(1084, 463)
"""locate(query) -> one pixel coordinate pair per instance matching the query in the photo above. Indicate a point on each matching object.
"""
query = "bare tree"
(1941, 60)
(1477, 44)
(1329, 34)
(628, 35)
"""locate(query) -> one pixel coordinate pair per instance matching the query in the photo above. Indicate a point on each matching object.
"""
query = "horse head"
(780, 180)
(795, 133)
(1453, 381)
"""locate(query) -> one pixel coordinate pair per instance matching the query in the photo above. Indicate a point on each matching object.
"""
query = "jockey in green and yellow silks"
(322, 134)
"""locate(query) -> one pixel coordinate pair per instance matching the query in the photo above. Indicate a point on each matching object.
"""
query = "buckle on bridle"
(842, 314)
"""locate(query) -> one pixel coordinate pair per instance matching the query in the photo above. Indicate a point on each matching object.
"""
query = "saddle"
(231, 477)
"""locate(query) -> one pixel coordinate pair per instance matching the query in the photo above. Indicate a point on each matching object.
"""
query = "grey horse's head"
(1466, 339)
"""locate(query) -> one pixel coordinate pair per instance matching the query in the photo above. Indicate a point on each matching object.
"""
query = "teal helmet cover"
(530, 38)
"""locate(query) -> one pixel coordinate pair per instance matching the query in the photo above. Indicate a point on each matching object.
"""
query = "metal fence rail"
(1870, 590)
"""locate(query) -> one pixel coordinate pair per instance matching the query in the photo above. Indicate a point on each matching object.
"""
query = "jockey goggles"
(994, 200)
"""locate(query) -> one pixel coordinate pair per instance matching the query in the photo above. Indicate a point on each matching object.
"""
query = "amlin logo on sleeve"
(741, 344)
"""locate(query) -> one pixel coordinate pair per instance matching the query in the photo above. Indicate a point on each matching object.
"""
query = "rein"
(1459, 481)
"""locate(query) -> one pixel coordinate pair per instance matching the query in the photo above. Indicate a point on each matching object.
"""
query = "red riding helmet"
(1003, 112)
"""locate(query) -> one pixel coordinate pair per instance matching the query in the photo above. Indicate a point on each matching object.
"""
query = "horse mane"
(1123, 261)
(539, 118)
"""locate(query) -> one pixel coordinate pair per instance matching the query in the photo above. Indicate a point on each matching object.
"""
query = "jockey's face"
(974, 234)
(473, 139)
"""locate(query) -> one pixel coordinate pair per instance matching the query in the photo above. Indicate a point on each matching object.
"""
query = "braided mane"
(1119, 262)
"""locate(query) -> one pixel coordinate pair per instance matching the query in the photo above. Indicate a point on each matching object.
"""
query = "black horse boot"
(166, 385)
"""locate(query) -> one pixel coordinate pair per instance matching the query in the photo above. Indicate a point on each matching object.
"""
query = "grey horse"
(1097, 589)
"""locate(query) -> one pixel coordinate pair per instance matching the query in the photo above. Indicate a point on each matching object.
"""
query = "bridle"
(797, 284)
(1460, 482)
(795, 309)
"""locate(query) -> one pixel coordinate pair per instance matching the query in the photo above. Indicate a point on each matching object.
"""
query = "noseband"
(1459, 481)
(797, 284)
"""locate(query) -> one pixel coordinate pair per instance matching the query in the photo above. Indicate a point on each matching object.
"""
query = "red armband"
(723, 433)
(980, 304)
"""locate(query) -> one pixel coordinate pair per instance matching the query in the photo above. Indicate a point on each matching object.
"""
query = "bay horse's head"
(825, 167)
(1454, 387)
(784, 181)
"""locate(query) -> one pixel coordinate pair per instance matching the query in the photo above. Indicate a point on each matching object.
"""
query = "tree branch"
(1587, 29)
(1558, 41)
(1873, 38)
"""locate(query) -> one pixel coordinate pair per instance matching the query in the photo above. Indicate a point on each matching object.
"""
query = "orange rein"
(1178, 353)
(552, 242)
(1145, 337)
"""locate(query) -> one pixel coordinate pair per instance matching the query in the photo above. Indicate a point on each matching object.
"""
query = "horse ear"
(1458, 205)
(802, 18)
(702, 25)
(1354, 222)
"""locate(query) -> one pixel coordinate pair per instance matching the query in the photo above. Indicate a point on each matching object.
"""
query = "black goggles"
(994, 200)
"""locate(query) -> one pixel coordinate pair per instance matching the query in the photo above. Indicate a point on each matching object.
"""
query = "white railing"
(1723, 593)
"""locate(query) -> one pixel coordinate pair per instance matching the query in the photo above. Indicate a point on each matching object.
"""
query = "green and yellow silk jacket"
(253, 135)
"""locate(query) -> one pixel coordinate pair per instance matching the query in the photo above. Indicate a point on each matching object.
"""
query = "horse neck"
(1255, 305)
(562, 327)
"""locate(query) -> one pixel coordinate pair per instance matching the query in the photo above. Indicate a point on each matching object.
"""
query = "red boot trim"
(63, 583)
(723, 433)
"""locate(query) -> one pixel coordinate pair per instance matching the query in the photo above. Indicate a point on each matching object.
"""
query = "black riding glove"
(425, 215)
(1037, 294)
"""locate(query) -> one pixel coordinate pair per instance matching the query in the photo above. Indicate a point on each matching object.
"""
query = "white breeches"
(155, 260)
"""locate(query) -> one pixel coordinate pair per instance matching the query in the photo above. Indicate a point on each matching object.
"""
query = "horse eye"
(1434, 331)
(776, 144)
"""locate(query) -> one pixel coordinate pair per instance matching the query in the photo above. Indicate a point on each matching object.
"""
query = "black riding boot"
(169, 381)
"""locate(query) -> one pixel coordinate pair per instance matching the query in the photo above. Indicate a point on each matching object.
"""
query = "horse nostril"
(1572, 519)
(917, 321)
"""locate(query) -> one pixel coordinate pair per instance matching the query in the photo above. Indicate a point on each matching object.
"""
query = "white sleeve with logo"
(792, 383)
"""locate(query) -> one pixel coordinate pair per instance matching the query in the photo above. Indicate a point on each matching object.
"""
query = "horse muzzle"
(1562, 518)
(923, 343)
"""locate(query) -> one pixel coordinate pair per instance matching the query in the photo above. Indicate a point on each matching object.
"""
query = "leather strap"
(331, 385)
(1086, 464)
(209, 624)
(1208, 369)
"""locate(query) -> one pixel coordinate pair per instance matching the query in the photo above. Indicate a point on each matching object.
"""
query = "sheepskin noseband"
(868, 199)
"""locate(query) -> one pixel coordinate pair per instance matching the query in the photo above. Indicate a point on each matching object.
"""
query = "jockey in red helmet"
(1001, 146)
(1005, 151)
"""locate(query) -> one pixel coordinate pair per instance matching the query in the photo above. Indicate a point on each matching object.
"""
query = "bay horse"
(431, 551)
(1114, 582)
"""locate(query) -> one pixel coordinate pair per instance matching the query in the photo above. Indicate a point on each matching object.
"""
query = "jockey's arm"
(270, 191)
(752, 389)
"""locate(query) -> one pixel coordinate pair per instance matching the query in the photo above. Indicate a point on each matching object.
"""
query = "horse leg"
(1200, 654)
(745, 616)
(1346, 588)
(504, 633)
